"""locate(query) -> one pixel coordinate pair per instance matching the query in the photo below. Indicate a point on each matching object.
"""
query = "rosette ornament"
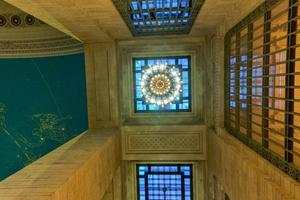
(161, 84)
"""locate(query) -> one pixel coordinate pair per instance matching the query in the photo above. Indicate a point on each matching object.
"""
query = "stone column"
(218, 65)
(101, 79)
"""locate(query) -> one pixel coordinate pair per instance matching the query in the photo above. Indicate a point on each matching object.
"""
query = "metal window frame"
(249, 80)
(125, 11)
(290, 81)
(264, 10)
(178, 165)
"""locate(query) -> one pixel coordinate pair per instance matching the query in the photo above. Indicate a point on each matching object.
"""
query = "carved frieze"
(40, 47)
(157, 142)
(149, 141)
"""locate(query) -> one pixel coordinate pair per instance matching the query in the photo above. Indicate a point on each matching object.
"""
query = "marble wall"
(42, 105)
(240, 173)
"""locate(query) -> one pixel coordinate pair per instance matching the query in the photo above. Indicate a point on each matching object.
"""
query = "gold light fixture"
(161, 84)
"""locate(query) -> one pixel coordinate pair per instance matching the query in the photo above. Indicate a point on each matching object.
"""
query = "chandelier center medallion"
(161, 84)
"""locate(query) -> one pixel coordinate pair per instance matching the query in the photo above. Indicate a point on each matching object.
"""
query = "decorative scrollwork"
(148, 143)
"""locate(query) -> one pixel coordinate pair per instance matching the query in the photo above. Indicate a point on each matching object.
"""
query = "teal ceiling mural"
(42, 105)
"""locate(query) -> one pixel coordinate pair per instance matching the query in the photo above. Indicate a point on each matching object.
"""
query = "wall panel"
(101, 84)
(164, 142)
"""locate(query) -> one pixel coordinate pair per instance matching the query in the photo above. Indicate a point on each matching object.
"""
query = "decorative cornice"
(23, 35)
(40, 47)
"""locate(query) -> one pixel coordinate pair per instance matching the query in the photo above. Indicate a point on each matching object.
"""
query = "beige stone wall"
(101, 80)
(243, 174)
(240, 10)
(114, 190)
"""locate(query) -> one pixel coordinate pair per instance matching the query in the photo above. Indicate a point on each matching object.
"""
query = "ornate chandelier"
(161, 84)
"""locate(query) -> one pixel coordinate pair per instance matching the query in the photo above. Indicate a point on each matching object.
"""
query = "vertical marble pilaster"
(101, 76)
(218, 71)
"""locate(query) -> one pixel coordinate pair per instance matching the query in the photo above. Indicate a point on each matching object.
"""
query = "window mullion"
(237, 80)
(265, 89)
(182, 187)
(227, 59)
(249, 79)
(290, 81)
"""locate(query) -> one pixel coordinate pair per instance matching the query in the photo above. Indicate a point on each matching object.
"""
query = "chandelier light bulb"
(161, 84)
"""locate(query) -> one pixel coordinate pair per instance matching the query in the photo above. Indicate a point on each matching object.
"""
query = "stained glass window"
(164, 182)
(263, 81)
(182, 65)
(149, 17)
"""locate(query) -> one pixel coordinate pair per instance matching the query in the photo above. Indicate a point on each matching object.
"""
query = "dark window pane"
(165, 181)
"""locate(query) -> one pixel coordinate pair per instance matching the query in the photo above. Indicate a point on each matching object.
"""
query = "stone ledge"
(82, 169)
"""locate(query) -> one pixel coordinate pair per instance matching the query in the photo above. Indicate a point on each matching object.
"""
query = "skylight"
(165, 181)
(153, 17)
(181, 102)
